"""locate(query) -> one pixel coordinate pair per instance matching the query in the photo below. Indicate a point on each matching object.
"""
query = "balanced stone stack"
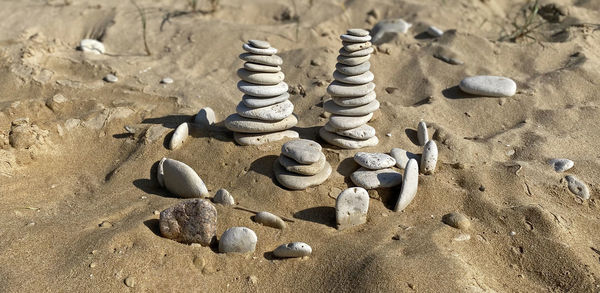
(353, 95)
(265, 112)
(301, 164)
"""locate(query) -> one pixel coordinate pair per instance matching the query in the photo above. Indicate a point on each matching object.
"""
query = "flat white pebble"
(353, 61)
(353, 70)
(302, 169)
(259, 51)
(269, 60)
(487, 85)
(362, 78)
(374, 161)
(259, 44)
(160, 173)
(256, 102)
(274, 112)
(355, 39)
(262, 90)
(263, 78)
(351, 207)
(429, 158)
(166, 80)
(261, 68)
(294, 249)
(237, 123)
(338, 89)
(362, 132)
(410, 183)
(388, 26)
(298, 182)
(333, 108)
(238, 240)
(346, 142)
(355, 101)
(111, 78)
(348, 122)
(561, 165)
(359, 32)
(303, 151)
(92, 46)
(372, 179)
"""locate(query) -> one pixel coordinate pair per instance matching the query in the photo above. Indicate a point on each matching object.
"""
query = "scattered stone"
(577, 187)
(262, 138)
(179, 136)
(270, 220)
(372, 179)
(302, 169)
(238, 240)
(130, 282)
(456, 220)
(351, 207)
(486, 85)
(346, 142)
(92, 46)
(429, 158)
(181, 180)
(410, 182)
(223, 197)
(422, 134)
(435, 32)
(111, 78)
(374, 161)
(294, 249)
(205, 117)
(192, 221)
(303, 151)
(561, 165)
(402, 157)
(166, 80)
(296, 181)
(388, 26)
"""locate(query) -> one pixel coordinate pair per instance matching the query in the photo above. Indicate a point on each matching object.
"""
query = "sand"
(76, 167)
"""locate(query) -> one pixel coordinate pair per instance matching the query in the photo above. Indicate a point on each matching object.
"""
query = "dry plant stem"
(256, 212)
(142, 14)
(528, 26)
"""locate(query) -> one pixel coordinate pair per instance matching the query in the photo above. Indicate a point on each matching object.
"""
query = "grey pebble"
(429, 158)
(577, 187)
(294, 249)
(269, 220)
(111, 78)
(238, 240)
(561, 165)
(223, 197)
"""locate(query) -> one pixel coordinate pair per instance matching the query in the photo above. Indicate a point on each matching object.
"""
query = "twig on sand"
(142, 14)
(193, 4)
(529, 25)
(256, 212)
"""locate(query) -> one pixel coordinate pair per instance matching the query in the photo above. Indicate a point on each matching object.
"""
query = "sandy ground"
(76, 167)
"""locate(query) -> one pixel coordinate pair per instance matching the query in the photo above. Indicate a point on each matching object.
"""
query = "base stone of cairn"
(265, 113)
(353, 95)
(301, 164)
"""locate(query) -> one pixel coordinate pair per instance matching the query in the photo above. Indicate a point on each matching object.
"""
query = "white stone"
(389, 26)
(355, 101)
(374, 161)
(223, 197)
(237, 123)
(351, 47)
(348, 122)
(359, 32)
(577, 187)
(259, 44)
(262, 138)
(359, 53)
(353, 61)
(410, 182)
(294, 249)
(333, 108)
(434, 31)
(487, 85)
(205, 117)
(561, 165)
(261, 68)
(179, 136)
(256, 102)
(259, 51)
(92, 46)
(362, 78)
(362, 132)
(402, 157)
(345, 142)
(274, 112)
(338, 89)
(355, 39)
(262, 90)
(238, 240)
(372, 179)
(166, 80)
(264, 78)
(303, 169)
(111, 78)
(160, 173)
(422, 135)
(298, 182)
(303, 151)
(181, 180)
(351, 207)
(270, 220)
(269, 60)
(353, 70)
(429, 157)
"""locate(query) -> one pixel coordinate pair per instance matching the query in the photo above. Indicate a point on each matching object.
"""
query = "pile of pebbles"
(375, 171)
(301, 164)
(353, 95)
(265, 112)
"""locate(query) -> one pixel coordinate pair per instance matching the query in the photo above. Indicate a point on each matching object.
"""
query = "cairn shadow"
(311, 133)
(264, 166)
(152, 224)
(347, 166)
(456, 93)
(321, 215)
(412, 135)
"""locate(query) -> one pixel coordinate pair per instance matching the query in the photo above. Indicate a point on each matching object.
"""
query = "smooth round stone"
(205, 117)
(345, 142)
(181, 180)
(351, 47)
(359, 53)
(303, 151)
(260, 77)
(302, 169)
(359, 32)
(577, 187)
(348, 122)
(422, 135)
(192, 221)
(275, 112)
(402, 157)
(410, 182)
(372, 179)
(269, 60)
(353, 70)
(362, 132)
(294, 249)
(561, 165)
(266, 91)
(388, 26)
(259, 44)
(355, 39)
(456, 220)
(262, 138)
(269, 220)
(487, 85)
(434, 31)
(355, 101)
(111, 78)
(363, 78)
(237, 123)
(333, 108)
(351, 207)
(353, 61)
(338, 89)
(179, 136)
(223, 197)
(238, 240)
(429, 158)
(261, 68)
(259, 51)
(160, 173)
(298, 182)
(374, 161)
(256, 102)
(92, 46)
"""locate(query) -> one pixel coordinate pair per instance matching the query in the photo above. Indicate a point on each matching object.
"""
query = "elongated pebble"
(353, 70)
(374, 161)
(345, 142)
(402, 157)
(561, 165)
(422, 135)
(262, 90)
(434, 31)
(351, 207)
(429, 157)
(223, 197)
(179, 136)
(362, 78)
(263, 78)
(92, 46)
(355, 39)
(262, 138)
(338, 89)
(355, 101)
(487, 85)
(275, 112)
(386, 26)
(351, 47)
(353, 61)
(254, 50)
(259, 44)
(410, 183)
(261, 68)
(362, 132)
(257, 102)
(333, 108)
(348, 122)
(160, 173)
(577, 187)
(294, 249)
(237, 123)
(181, 180)
(372, 179)
(269, 60)
(359, 53)
(270, 220)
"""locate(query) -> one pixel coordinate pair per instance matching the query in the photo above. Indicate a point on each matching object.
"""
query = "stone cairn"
(353, 95)
(265, 112)
(301, 164)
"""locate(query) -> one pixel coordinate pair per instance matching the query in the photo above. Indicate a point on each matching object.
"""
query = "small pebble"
(105, 224)
(223, 197)
(388, 26)
(166, 80)
(269, 220)
(456, 220)
(577, 187)
(410, 182)
(561, 165)
(374, 161)
(179, 136)
(130, 282)
(512, 233)
(111, 78)
(435, 32)
(205, 117)
(487, 85)
(92, 46)
(294, 249)
(429, 158)
(422, 134)
(238, 240)
(93, 265)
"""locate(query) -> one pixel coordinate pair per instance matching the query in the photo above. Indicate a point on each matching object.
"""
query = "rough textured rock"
(374, 161)
(561, 165)
(297, 182)
(192, 221)
(577, 187)
(351, 207)
(238, 240)
(262, 138)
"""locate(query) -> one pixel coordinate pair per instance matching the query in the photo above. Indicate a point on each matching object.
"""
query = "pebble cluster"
(353, 95)
(301, 164)
(265, 112)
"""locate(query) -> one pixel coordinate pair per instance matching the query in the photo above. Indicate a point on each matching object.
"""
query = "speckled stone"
(274, 112)
(262, 138)
(237, 123)
(192, 221)
(238, 240)
(374, 161)
(372, 179)
(294, 249)
(457, 220)
(355, 39)
(270, 220)
(362, 132)
(429, 158)
(351, 207)
(303, 151)
(577, 187)
(422, 135)
(351, 47)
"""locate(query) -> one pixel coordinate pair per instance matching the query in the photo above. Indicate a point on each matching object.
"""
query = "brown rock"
(193, 221)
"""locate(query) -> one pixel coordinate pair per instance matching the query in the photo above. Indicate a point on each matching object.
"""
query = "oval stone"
(269, 60)
(351, 207)
(262, 138)
(359, 32)
(410, 182)
(429, 158)
(205, 117)
(260, 77)
(333, 108)
(353, 61)
(298, 182)
(262, 90)
(372, 179)
(223, 197)
(422, 135)
(374, 161)
(362, 78)
(270, 220)
(355, 39)
(362, 132)
(259, 51)
(192, 221)
(345, 142)
(577, 187)
(238, 240)
(92, 46)
(302, 169)
(348, 122)
(181, 180)
(237, 123)
(487, 85)
(353, 70)
(561, 165)
(259, 44)
(294, 249)
(257, 102)
(303, 151)
(261, 68)
(456, 220)
(359, 53)
(338, 89)
(389, 26)
(355, 101)
(179, 136)
(269, 113)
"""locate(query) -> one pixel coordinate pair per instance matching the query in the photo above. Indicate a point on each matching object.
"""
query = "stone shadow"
(321, 215)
